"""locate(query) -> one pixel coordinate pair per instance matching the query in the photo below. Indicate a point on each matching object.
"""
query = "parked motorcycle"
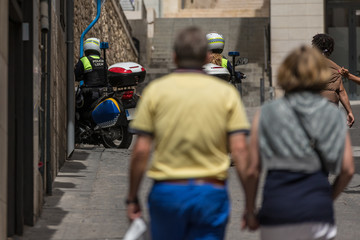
(235, 78)
(108, 119)
(131, 75)
(217, 71)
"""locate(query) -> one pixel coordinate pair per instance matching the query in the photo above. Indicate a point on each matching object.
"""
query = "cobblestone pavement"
(88, 199)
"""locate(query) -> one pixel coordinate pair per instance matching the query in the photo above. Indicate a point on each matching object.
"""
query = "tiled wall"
(3, 114)
(293, 22)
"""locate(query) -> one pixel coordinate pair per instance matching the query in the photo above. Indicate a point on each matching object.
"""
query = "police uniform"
(91, 69)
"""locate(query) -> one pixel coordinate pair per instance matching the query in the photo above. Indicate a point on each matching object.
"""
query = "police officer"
(216, 44)
(91, 69)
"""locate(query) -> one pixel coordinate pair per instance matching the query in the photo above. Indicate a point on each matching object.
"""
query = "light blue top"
(285, 146)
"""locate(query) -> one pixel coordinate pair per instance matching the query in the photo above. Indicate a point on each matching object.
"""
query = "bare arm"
(248, 172)
(354, 78)
(347, 170)
(345, 72)
(344, 99)
(139, 159)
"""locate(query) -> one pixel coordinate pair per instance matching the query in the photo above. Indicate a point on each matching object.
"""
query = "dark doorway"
(15, 194)
(343, 24)
(20, 118)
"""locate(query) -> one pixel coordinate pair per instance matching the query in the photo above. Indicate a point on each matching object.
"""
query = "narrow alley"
(88, 198)
(52, 189)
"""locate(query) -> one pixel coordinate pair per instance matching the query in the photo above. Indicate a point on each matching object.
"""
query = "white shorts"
(301, 231)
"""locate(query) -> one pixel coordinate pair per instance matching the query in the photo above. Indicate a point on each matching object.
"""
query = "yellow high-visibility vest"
(87, 64)
(224, 63)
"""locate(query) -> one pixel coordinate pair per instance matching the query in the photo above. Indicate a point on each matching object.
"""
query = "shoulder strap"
(94, 56)
(312, 140)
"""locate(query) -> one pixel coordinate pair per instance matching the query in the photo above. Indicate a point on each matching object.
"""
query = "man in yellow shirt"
(193, 120)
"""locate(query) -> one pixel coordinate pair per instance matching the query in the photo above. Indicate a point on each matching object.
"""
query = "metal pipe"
(265, 50)
(42, 107)
(70, 77)
(89, 27)
(44, 16)
(48, 109)
(262, 90)
(44, 20)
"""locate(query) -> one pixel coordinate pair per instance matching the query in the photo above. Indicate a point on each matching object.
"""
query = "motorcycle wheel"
(116, 137)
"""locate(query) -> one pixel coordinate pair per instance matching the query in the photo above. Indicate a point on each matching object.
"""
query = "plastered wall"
(293, 22)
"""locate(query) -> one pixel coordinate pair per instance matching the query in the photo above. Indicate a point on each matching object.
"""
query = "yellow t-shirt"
(190, 115)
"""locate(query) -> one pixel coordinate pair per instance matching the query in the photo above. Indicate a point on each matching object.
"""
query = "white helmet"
(216, 42)
(92, 44)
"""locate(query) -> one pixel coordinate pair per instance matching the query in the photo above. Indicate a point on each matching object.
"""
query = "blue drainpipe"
(89, 27)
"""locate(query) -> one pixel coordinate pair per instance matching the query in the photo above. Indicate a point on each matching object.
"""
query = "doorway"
(20, 117)
(343, 24)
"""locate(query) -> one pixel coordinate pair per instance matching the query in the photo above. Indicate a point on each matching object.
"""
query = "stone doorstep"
(354, 102)
(356, 151)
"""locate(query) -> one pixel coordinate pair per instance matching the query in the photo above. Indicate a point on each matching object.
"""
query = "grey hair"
(191, 48)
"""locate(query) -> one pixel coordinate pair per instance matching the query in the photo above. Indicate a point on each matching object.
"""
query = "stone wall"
(58, 98)
(111, 27)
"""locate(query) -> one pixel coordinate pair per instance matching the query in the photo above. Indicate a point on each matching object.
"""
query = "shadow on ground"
(53, 213)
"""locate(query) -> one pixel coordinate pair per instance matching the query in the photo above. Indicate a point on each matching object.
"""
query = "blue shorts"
(188, 211)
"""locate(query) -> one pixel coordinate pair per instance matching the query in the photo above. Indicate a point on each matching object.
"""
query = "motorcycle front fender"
(122, 120)
(109, 113)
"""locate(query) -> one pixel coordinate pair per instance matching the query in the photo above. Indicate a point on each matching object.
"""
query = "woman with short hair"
(299, 138)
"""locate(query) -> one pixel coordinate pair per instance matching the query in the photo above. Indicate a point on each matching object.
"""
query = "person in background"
(191, 131)
(216, 45)
(334, 89)
(298, 149)
(91, 70)
(345, 73)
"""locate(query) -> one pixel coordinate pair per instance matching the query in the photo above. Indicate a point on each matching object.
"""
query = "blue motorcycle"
(106, 121)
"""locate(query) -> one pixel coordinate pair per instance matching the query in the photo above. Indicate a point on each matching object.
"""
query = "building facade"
(292, 23)
(295, 22)
(39, 46)
(244, 25)
(33, 123)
